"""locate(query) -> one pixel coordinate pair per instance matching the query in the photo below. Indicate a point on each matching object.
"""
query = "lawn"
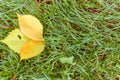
(86, 30)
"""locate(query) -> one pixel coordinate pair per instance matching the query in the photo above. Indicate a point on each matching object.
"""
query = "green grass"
(87, 30)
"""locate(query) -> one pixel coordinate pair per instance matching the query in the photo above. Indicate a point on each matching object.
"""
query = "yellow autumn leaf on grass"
(31, 27)
(15, 40)
(31, 47)
(28, 41)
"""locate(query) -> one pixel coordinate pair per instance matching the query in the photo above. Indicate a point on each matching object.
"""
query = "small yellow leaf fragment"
(31, 48)
(31, 27)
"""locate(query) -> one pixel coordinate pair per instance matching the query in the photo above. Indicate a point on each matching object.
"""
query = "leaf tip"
(21, 59)
(17, 14)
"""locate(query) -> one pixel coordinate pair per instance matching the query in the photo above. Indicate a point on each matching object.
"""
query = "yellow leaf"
(31, 27)
(15, 40)
(31, 48)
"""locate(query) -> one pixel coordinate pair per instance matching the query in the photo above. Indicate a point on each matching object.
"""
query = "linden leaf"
(31, 48)
(31, 27)
(15, 40)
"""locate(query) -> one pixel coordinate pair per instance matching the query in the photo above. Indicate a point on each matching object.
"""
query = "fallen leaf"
(15, 40)
(31, 48)
(28, 40)
(67, 60)
(31, 27)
